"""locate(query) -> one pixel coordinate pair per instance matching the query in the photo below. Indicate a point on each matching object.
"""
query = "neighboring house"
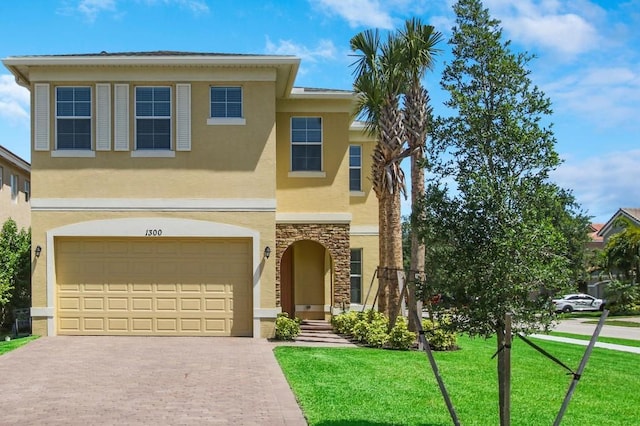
(610, 228)
(15, 189)
(193, 194)
(598, 283)
(595, 241)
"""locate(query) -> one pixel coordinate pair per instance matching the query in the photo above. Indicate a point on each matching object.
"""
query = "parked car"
(578, 302)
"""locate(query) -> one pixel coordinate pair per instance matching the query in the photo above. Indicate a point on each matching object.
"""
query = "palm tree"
(419, 46)
(379, 82)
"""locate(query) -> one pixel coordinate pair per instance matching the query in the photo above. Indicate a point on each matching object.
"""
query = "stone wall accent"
(335, 238)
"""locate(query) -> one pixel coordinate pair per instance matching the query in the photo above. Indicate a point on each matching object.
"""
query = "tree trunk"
(383, 285)
(416, 268)
(503, 338)
(394, 253)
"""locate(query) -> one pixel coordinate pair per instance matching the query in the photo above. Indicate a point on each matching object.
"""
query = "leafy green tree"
(622, 251)
(15, 269)
(499, 232)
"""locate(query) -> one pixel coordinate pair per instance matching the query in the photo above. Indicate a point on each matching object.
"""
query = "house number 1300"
(153, 232)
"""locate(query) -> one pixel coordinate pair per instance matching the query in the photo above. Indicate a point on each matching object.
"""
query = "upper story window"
(27, 190)
(14, 187)
(355, 168)
(153, 118)
(306, 144)
(73, 118)
(226, 102)
(1, 177)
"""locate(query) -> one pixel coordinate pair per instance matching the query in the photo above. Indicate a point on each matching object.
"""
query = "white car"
(578, 302)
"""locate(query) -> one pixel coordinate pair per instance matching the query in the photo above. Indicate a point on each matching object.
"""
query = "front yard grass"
(337, 386)
(7, 346)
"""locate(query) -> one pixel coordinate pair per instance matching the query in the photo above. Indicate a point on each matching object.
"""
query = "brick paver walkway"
(145, 381)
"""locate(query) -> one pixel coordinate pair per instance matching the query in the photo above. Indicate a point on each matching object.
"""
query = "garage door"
(155, 286)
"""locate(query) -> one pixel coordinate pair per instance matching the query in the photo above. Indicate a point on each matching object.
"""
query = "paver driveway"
(145, 380)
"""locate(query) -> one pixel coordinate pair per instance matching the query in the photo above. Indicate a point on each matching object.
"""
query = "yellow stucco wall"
(300, 193)
(225, 161)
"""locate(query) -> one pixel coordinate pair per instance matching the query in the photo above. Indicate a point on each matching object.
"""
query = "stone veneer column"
(335, 238)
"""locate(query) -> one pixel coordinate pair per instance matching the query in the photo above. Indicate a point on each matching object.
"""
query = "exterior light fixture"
(38, 251)
(267, 252)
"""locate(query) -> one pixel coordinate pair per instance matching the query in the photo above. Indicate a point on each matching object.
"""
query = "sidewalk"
(612, 346)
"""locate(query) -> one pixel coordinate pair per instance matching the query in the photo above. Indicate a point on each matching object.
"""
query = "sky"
(587, 61)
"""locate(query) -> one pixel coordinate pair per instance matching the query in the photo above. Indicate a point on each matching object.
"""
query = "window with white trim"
(73, 118)
(356, 276)
(27, 191)
(226, 102)
(355, 168)
(14, 187)
(306, 144)
(153, 118)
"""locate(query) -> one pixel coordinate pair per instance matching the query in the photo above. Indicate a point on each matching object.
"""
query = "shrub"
(343, 323)
(287, 328)
(400, 336)
(371, 328)
(622, 297)
(438, 336)
(377, 335)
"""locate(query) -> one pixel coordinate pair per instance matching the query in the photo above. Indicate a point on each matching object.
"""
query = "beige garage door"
(154, 286)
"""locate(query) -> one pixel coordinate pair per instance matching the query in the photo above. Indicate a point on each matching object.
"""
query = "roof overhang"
(286, 66)
(15, 160)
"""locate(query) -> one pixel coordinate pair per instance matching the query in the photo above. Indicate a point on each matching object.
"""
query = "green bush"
(438, 335)
(371, 328)
(377, 334)
(343, 323)
(287, 328)
(622, 297)
(400, 336)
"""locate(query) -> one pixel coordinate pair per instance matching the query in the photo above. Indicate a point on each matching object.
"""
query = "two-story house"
(193, 194)
(15, 189)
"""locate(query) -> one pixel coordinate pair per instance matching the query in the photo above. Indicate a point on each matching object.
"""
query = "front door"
(286, 283)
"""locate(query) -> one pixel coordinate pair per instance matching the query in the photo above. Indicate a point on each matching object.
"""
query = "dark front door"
(286, 283)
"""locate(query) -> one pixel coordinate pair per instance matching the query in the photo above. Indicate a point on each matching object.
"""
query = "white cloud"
(91, 8)
(195, 6)
(324, 50)
(606, 96)
(549, 24)
(368, 13)
(14, 100)
(603, 184)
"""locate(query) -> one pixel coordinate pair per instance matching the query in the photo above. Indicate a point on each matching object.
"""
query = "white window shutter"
(183, 117)
(121, 118)
(103, 117)
(41, 118)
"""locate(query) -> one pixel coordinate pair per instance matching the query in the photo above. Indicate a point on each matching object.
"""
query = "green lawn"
(14, 343)
(338, 386)
(615, 340)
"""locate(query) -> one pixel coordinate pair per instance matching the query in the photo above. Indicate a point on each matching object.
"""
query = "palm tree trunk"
(416, 268)
(416, 126)
(383, 283)
(394, 253)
